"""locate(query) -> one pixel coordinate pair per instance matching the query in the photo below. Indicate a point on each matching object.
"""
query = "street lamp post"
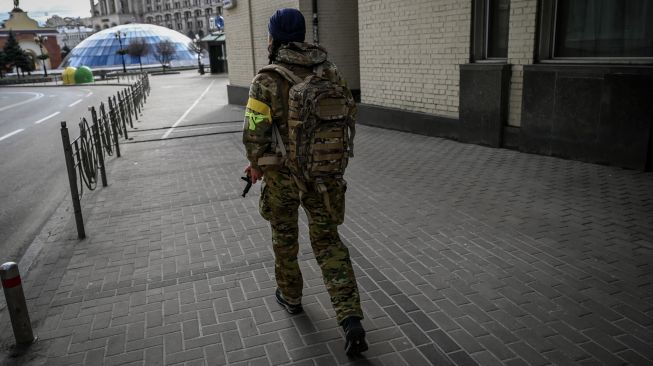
(120, 35)
(198, 49)
(39, 40)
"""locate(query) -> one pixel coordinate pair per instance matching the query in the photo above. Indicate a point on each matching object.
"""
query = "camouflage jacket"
(268, 97)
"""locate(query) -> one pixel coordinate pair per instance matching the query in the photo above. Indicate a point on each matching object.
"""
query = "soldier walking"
(303, 165)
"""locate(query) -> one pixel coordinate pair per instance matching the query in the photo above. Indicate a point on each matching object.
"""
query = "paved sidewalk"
(464, 254)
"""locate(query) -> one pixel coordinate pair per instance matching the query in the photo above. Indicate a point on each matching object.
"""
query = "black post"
(136, 97)
(124, 125)
(114, 131)
(132, 101)
(130, 106)
(72, 179)
(95, 130)
(115, 138)
(127, 108)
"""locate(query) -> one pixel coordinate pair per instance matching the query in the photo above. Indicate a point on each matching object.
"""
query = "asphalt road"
(33, 179)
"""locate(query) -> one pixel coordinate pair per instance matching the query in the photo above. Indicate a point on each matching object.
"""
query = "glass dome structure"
(99, 50)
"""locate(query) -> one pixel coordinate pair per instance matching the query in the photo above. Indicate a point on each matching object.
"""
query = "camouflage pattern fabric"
(268, 100)
(280, 200)
(281, 197)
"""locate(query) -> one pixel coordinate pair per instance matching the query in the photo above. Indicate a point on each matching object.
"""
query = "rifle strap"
(321, 188)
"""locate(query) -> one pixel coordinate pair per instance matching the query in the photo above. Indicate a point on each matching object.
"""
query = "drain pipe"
(316, 37)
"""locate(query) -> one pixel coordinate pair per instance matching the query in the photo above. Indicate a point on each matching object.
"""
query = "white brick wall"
(238, 41)
(338, 33)
(410, 52)
(521, 48)
(239, 37)
(262, 10)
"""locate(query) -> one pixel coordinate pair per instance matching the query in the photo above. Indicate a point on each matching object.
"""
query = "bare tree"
(138, 48)
(195, 46)
(165, 51)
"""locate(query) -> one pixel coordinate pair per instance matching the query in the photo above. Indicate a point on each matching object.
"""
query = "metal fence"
(99, 139)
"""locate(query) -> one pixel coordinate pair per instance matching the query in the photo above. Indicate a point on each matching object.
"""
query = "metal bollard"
(12, 285)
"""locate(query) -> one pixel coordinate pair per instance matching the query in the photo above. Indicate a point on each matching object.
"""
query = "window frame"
(546, 38)
(480, 34)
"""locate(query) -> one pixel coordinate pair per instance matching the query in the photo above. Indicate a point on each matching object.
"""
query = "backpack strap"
(284, 72)
(280, 147)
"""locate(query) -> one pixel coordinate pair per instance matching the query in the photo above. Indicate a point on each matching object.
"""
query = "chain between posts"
(85, 155)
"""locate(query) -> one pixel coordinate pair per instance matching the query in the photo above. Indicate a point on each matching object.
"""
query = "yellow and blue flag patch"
(257, 112)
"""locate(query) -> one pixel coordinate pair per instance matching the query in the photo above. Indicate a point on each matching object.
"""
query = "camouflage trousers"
(279, 204)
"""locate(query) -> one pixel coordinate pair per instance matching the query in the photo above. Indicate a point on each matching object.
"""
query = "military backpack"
(320, 126)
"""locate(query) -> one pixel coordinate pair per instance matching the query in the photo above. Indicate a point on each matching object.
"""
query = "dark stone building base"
(598, 114)
(484, 94)
(414, 122)
(237, 94)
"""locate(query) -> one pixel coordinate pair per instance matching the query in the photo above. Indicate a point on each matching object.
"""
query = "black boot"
(354, 336)
(290, 308)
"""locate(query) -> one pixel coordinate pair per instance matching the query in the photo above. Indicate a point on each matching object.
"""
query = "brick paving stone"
(633, 358)
(414, 334)
(215, 355)
(392, 360)
(277, 353)
(414, 357)
(491, 257)
(461, 358)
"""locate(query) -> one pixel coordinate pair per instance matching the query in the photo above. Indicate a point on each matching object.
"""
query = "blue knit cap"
(287, 25)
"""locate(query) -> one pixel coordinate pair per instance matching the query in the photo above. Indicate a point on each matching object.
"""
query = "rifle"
(247, 179)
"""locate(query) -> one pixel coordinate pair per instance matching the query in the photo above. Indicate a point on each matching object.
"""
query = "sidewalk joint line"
(165, 135)
(190, 125)
(184, 137)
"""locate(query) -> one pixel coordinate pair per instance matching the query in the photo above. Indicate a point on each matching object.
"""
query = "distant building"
(72, 36)
(71, 30)
(189, 17)
(26, 29)
(56, 21)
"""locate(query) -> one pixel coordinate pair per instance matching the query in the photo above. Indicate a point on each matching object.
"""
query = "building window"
(208, 11)
(218, 10)
(200, 24)
(596, 30)
(490, 24)
(189, 25)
